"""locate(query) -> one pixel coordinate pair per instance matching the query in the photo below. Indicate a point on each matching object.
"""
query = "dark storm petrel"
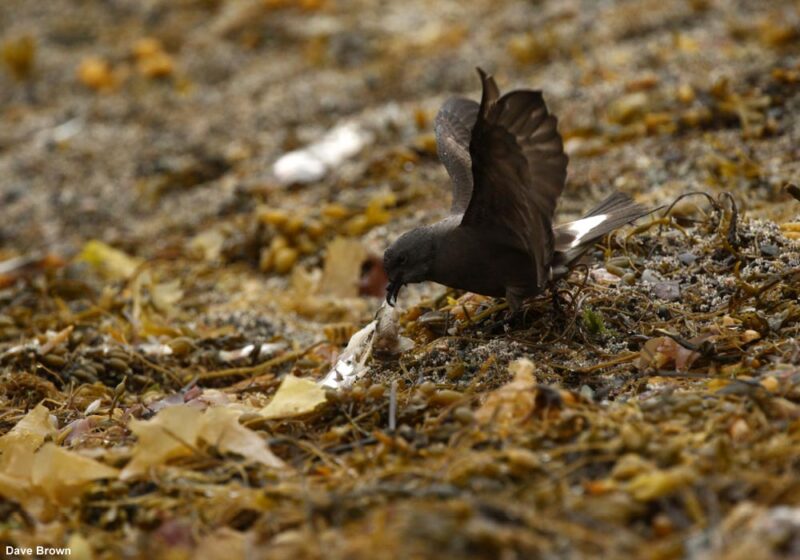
(507, 164)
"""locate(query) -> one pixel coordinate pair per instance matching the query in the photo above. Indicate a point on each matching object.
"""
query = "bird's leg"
(513, 319)
(557, 307)
(514, 297)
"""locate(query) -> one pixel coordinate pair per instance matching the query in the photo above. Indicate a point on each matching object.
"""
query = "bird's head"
(408, 260)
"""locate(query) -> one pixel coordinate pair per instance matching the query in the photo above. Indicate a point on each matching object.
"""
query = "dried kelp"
(194, 356)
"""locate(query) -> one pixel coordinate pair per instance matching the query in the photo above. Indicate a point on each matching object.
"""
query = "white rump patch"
(581, 227)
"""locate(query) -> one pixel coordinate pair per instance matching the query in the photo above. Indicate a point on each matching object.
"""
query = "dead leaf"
(179, 430)
(308, 297)
(61, 474)
(165, 295)
(208, 244)
(222, 429)
(110, 262)
(17, 449)
(19, 444)
(513, 401)
(34, 475)
(342, 269)
(661, 351)
(222, 543)
(36, 425)
(295, 397)
(171, 433)
(79, 547)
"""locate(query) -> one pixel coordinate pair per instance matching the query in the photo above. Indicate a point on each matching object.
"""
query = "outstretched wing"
(453, 127)
(518, 170)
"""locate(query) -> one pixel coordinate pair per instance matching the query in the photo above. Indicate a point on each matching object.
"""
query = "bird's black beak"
(391, 292)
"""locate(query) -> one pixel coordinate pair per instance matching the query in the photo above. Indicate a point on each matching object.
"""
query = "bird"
(506, 162)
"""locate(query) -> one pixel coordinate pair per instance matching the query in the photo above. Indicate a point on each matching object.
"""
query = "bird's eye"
(402, 260)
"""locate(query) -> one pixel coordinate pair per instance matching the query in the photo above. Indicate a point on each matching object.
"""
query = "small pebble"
(427, 387)
(615, 270)
(84, 375)
(769, 250)
(455, 371)
(650, 277)
(669, 291)
(620, 262)
(53, 360)
(463, 415)
(117, 364)
(284, 259)
(376, 391)
(739, 430)
(180, 346)
(770, 383)
(446, 396)
(662, 525)
(406, 432)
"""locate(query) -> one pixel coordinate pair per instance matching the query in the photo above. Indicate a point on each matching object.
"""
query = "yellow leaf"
(30, 431)
(17, 450)
(222, 543)
(294, 397)
(19, 444)
(79, 547)
(61, 474)
(342, 268)
(96, 73)
(513, 401)
(36, 477)
(171, 433)
(13, 488)
(177, 431)
(222, 429)
(110, 262)
(37, 424)
(208, 244)
(165, 295)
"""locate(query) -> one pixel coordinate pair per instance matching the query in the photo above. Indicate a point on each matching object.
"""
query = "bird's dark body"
(508, 169)
(469, 259)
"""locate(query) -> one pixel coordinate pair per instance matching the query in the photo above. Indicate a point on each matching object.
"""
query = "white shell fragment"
(313, 162)
(381, 336)
(264, 351)
(155, 349)
(238, 354)
(351, 363)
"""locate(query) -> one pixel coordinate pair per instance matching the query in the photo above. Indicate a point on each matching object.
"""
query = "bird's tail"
(573, 239)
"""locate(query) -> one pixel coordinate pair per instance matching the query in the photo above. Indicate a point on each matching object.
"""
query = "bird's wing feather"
(453, 126)
(518, 170)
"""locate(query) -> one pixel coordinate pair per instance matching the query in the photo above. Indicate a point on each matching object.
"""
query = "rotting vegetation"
(158, 286)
